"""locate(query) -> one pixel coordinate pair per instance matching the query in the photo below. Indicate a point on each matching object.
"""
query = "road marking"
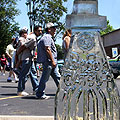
(9, 97)
(26, 117)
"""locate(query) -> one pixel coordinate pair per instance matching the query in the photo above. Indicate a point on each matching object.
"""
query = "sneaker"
(9, 79)
(3, 74)
(34, 92)
(16, 80)
(22, 93)
(16, 71)
(43, 97)
(38, 75)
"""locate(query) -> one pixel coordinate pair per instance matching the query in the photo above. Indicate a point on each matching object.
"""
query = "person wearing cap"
(27, 64)
(21, 41)
(47, 55)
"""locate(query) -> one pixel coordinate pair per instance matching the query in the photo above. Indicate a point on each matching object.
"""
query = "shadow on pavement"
(11, 94)
(8, 87)
(3, 81)
(52, 96)
(29, 97)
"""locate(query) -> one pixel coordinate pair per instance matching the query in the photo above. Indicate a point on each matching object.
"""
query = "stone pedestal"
(85, 16)
(87, 89)
(85, 7)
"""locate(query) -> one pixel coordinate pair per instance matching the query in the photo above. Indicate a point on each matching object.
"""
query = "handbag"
(7, 68)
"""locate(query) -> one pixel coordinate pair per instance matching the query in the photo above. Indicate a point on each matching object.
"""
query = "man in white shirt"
(28, 63)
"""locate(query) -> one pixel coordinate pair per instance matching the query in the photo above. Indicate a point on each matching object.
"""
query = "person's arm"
(8, 55)
(22, 47)
(49, 53)
(6, 62)
(67, 42)
(30, 44)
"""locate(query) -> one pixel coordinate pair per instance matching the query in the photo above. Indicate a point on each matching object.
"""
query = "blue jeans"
(27, 67)
(47, 71)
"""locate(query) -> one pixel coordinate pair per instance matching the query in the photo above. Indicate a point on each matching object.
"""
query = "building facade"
(111, 40)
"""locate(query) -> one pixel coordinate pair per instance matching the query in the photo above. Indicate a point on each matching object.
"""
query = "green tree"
(108, 29)
(59, 52)
(8, 26)
(44, 11)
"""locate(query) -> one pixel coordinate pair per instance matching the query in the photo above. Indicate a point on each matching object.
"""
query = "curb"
(26, 117)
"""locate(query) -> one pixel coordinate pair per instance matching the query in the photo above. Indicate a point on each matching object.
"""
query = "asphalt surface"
(11, 104)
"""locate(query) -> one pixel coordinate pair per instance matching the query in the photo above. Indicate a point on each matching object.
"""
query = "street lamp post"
(31, 13)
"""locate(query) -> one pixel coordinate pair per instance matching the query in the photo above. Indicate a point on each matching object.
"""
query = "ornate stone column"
(87, 88)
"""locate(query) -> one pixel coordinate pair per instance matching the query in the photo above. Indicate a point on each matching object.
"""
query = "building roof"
(110, 32)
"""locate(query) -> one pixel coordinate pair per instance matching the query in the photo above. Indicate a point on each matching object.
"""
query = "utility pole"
(31, 13)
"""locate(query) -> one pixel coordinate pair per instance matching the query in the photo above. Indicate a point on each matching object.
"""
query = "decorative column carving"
(87, 89)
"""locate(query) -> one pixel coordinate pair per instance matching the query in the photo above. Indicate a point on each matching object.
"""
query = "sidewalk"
(26, 118)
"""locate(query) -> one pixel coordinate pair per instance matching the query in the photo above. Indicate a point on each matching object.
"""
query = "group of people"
(7, 62)
(24, 58)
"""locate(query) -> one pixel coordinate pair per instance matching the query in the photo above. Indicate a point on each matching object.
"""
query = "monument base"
(86, 21)
(87, 88)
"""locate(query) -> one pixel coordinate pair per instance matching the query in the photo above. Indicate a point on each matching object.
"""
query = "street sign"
(114, 52)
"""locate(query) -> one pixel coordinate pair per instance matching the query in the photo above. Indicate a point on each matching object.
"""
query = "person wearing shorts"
(3, 64)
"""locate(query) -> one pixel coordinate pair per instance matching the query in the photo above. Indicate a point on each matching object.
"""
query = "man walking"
(47, 55)
(27, 62)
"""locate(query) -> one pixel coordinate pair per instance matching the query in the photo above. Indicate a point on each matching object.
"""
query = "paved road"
(11, 104)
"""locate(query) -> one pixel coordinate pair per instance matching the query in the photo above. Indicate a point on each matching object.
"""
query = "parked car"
(115, 66)
(39, 67)
(60, 65)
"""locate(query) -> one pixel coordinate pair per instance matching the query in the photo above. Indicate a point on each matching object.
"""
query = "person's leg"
(44, 78)
(15, 76)
(9, 77)
(1, 69)
(33, 76)
(23, 73)
(10, 72)
(4, 69)
(37, 68)
(56, 75)
(18, 63)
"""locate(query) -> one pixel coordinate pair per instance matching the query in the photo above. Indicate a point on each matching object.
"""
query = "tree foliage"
(8, 26)
(108, 29)
(59, 52)
(44, 11)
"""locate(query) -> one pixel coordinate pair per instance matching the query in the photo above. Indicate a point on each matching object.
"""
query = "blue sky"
(109, 8)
